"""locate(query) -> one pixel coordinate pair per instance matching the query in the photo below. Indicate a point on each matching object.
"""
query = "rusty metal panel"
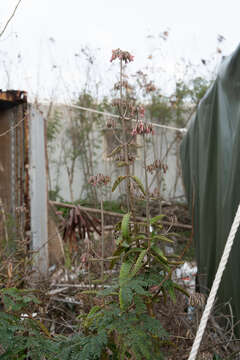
(5, 161)
(12, 147)
(38, 190)
(23, 178)
(11, 98)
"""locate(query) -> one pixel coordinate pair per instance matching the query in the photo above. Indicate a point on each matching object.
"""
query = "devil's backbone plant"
(125, 324)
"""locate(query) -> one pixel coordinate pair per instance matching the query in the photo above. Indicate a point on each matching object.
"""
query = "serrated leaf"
(172, 294)
(139, 303)
(90, 292)
(140, 237)
(121, 163)
(138, 182)
(160, 253)
(155, 219)
(115, 151)
(125, 297)
(163, 264)
(139, 263)
(124, 271)
(92, 312)
(117, 182)
(125, 226)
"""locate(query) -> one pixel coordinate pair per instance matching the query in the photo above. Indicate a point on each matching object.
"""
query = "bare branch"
(6, 25)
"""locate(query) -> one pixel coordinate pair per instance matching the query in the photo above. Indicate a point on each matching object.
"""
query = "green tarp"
(210, 156)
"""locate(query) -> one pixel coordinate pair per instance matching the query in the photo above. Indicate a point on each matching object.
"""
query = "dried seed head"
(157, 164)
(99, 179)
(197, 300)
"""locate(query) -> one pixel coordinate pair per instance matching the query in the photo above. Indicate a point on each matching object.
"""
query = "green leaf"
(159, 253)
(115, 151)
(140, 305)
(163, 264)
(138, 182)
(124, 272)
(121, 163)
(139, 237)
(90, 316)
(139, 263)
(117, 182)
(125, 297)
(172, 294)
(125, 226)
(162, 238)
(125, 245)
(156, 219)
(90, 292)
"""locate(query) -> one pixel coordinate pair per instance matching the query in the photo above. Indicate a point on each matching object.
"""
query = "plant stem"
(146, 189)
(125, 147)
(158, 175)
(102, 235)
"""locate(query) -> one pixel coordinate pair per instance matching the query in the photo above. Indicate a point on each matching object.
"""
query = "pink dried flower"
(121, 55)
(142, 128)
(157, 164)
(99, 179)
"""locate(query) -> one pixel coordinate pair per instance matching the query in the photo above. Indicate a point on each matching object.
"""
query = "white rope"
(183, 130)
(13, 127)
(117, 116)
(215, 286)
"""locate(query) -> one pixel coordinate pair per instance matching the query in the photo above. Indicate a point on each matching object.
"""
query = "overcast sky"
(38, 50)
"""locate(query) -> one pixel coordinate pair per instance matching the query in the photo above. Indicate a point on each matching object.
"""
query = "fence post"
(38, 192)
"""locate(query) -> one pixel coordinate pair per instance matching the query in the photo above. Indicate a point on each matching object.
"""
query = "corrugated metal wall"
(23, 177)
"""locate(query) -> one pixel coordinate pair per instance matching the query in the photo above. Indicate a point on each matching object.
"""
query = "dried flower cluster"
(157, 164)
(99, 179)
(78, 224)
(142, 128)
(121, 55)
(197, 300)
(133, 109)
(155, 194)
(136, 110)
